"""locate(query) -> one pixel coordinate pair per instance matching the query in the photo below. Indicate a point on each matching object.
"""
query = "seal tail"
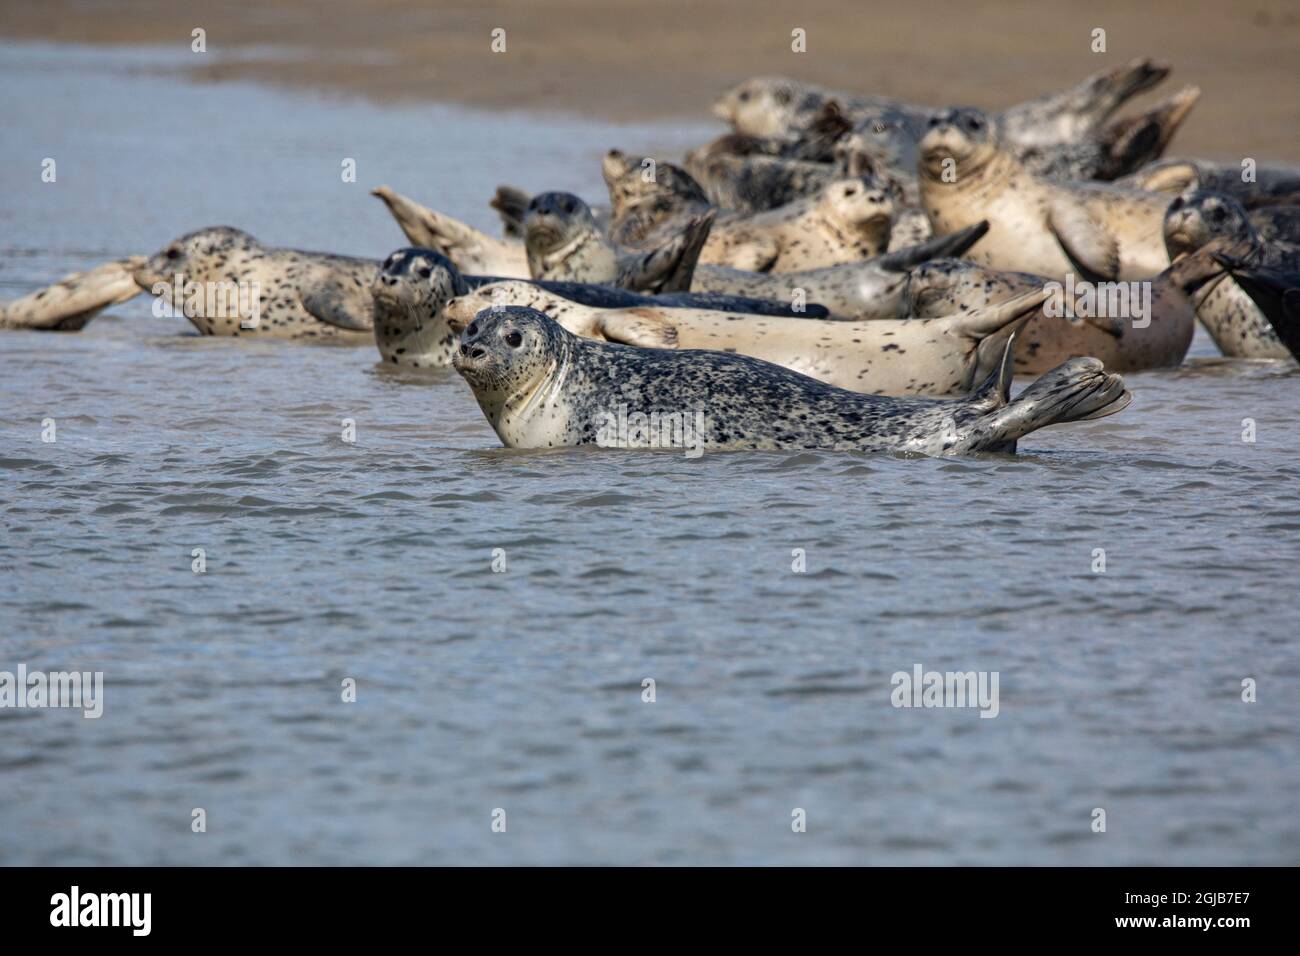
(1075, 391)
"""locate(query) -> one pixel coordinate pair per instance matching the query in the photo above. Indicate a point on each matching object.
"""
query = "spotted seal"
(298, 295)
(1237, 325)
(942, 356)
(470, 249)
(1128, 326)
(1038, 226)
(563, 242)
(1277, 293)
(69, 304)
(540, 386)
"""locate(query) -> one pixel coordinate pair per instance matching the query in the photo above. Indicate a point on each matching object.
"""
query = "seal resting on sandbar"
(542, 387)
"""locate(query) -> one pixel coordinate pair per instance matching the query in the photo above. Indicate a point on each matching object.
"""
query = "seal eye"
(568, 207)
(974, 124)
(1218, 214)
(514, 339)
(473, 329)
(425, 272)
(744, 96)
(1176, 205)
(173, 253)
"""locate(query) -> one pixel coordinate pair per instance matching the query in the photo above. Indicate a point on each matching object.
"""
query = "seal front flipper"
(340, 306)
(1085, 241)
(640, 327)
(69, 304)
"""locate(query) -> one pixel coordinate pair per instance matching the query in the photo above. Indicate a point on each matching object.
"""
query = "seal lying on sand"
(413, 286)
(75, 299)
(941, 356)
(872, 289)
(1228, 313)
(233, 285)
(1127, 326)
(564, 243)
(1277, 293)
(1046, 228)
(542, 387)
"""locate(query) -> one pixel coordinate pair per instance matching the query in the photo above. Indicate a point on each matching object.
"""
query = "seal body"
(1229, 314)
(542, 387)
(219, 273)
(1037, 226)
(939, 356)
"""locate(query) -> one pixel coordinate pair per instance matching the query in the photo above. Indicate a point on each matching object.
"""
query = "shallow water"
(523, 690)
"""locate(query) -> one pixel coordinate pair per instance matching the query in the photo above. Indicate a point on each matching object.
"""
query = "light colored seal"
(1182, 177)
(1237, 325)
(943, 356)
(1046, 228)
(1129, 327)
(69, 304)
(564, 243)
(298, 295)
(540, 386)
(473, 251)
(872, 289)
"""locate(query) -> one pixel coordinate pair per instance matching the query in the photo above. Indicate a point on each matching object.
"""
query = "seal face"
(410, 293)
(1235, 322)
(541, 387)
(230, 284)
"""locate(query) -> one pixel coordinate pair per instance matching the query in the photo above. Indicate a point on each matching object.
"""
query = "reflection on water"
(523, 690)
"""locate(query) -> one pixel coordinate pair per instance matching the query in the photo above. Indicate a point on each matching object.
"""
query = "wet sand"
(668, 59)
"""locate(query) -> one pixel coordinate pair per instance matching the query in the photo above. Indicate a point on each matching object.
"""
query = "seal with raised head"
(1237, 325)
(941, 356)
(1035, 225)
(233, 285)
(540, 386)
(1127, 326)
(69, 304)
(564, 243)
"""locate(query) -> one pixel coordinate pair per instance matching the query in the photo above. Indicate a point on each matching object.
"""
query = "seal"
(1035, 225)
(564, 243)
(1277, 293)
(540, 386)
(1127, 326)
(1182, 177)
(942, 356)
(1235, 322)
(470, 249)
(69, 304)
(872, 289)
(297, 295)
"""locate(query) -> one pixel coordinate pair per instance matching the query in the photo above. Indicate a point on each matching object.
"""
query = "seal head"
(410, 291)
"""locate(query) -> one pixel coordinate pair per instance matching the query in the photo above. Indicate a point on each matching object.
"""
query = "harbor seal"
(540, 386)
(871, 289)
(1127, 326)
(942, 356)
(564, 243)
(1277, 293)
(69, 304)
(471, 250)
(1035, 225)
(1237, 325)
(295, 294)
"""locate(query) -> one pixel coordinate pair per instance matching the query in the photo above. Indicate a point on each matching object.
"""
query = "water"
(522, 690)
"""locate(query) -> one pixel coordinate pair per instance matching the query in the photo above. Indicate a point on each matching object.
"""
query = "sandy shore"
(669, 58)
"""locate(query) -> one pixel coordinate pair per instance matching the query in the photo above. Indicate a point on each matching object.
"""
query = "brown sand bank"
(626, 60)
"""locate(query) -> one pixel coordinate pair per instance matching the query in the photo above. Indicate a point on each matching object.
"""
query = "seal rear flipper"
(993, 327)
(69, 304)
(1085, 241)
(1130, 142)
(1276, 292)
(951, 246)
(339, 306)
(671, 267)
(511, 204)
(469, 249)
(1078, 390)
(643, 328)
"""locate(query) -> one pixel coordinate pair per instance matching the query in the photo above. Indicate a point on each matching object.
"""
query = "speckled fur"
(1227, 312)
(542, 387)
(939, 356)
(1110, 233)
(293, 285)
(410, 293)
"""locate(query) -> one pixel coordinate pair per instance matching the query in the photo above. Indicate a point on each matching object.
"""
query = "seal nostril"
(476, 352)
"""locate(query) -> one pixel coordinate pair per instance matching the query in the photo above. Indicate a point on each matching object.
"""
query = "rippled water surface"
(522, 690)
